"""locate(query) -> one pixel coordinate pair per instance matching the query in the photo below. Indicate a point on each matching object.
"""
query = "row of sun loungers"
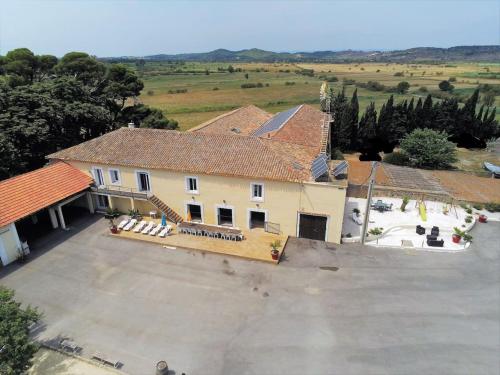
(145, 227)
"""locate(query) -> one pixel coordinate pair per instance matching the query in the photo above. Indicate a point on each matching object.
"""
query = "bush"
(215, 89)
(492, 207)
(426, 148)
(287, 83)
(446, 86)
(251, 85)
(396, 158)
(468, 210)
(406, 200)
(375, 231)
(452, 79)
(337, 154)
(399, 74)
(150, 92)
(402, 87)
(478, 206)
(423, 89)
(468, 219)
(349, 81)
(178, 91)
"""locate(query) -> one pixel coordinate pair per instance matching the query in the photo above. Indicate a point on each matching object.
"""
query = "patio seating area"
(423, 224)
(250, 244)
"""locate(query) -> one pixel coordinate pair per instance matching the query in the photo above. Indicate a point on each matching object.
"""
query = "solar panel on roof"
(275, 122)
(339, 169)
(319, 166)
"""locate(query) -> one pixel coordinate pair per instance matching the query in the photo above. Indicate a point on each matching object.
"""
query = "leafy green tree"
(20, 64)
(16, 348)
(402, 87)
(427, 148)
(445, 86)
(82, 67)
(230, 69)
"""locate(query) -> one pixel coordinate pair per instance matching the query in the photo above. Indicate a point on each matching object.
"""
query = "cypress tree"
(367, 132)
(354, 111)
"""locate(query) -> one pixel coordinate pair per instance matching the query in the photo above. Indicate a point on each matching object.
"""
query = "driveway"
(324, 310)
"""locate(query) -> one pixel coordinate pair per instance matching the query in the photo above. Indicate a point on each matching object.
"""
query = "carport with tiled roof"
(48, 188)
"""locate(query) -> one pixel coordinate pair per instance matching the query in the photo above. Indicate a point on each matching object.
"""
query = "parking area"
(325, 309)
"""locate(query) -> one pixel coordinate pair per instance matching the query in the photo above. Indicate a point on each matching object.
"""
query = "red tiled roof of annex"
(23, 195)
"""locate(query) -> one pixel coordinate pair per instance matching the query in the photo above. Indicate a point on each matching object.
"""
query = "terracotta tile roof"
(303, 127)
(196, 152)
(30, 192)
(241, 121)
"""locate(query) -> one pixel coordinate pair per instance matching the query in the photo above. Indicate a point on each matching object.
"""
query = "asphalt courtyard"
(324, 310)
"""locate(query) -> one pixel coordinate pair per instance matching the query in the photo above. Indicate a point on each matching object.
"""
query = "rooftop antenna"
(324, 99)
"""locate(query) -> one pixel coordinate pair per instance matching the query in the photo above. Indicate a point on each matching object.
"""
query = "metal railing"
(120, 191)
(272, 227)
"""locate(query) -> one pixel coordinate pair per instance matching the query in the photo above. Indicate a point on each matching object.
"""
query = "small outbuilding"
(48, 188)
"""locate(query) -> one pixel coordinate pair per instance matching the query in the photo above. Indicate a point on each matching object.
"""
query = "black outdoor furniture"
(431, 237)
(381, 206)
(420, 230)
(435, 231)
(435, 243)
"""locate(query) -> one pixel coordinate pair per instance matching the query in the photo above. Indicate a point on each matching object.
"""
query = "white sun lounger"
(165, 231)
(140, 226)
(130, 224)
(123, 223)
(148, 228)
(156, 229)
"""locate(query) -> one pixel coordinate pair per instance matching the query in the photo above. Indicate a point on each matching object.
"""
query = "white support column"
(53, 218)
(90, 203)
(132, 203)
(110, 202)
(61, 217)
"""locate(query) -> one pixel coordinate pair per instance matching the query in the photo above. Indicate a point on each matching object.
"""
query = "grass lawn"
(209, 95)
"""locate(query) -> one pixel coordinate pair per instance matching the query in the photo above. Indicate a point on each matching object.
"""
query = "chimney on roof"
(131, 125)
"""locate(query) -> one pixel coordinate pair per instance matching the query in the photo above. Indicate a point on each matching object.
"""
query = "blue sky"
(117, 28)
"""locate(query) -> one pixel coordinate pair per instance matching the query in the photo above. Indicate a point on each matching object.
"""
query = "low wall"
(361, 191)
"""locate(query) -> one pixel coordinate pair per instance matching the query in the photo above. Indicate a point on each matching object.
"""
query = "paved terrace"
(324, 310)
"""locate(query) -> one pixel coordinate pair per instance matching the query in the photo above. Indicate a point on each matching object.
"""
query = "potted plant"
(356, 211)
(457, 236)
(274, 249)
(467, 238)
(483, 218)
(112, 226)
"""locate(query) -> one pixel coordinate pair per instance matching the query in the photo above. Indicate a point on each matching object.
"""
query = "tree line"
(383, 130)
(47, 104)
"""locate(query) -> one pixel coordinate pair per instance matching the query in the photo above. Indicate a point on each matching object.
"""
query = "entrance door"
(102, 202)
(225, 216)
(257, 219)
(194, 211)
(312, 227)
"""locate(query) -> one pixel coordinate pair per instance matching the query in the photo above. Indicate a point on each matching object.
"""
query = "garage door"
(312, 227)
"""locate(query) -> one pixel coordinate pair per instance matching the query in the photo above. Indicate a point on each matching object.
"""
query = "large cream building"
(245, 169)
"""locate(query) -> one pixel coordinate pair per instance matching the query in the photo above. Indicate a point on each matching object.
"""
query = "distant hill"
(430, 54)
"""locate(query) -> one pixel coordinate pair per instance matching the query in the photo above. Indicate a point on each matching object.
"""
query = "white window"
(114, 176)
(143, 181)
(192, 185)
(98, 176)
(257, 192)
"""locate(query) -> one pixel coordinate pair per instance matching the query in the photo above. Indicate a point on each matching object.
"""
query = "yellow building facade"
(279, 202)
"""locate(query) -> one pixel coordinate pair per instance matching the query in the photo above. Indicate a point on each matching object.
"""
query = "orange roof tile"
(196, 152)
(30, 192)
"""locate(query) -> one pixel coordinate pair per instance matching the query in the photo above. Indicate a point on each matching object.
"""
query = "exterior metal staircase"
(169, 213)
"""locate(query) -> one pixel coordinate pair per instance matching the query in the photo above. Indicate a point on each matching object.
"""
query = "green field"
(209, 95)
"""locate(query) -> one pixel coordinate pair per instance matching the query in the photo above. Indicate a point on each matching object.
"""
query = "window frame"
(138, 181)
(255, 198)
(118, 182)
(94, 174)
(186, 185)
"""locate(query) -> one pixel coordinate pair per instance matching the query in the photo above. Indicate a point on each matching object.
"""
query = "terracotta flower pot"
(275, 254)
(483, 218)
(113, 229)
(456, 238)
